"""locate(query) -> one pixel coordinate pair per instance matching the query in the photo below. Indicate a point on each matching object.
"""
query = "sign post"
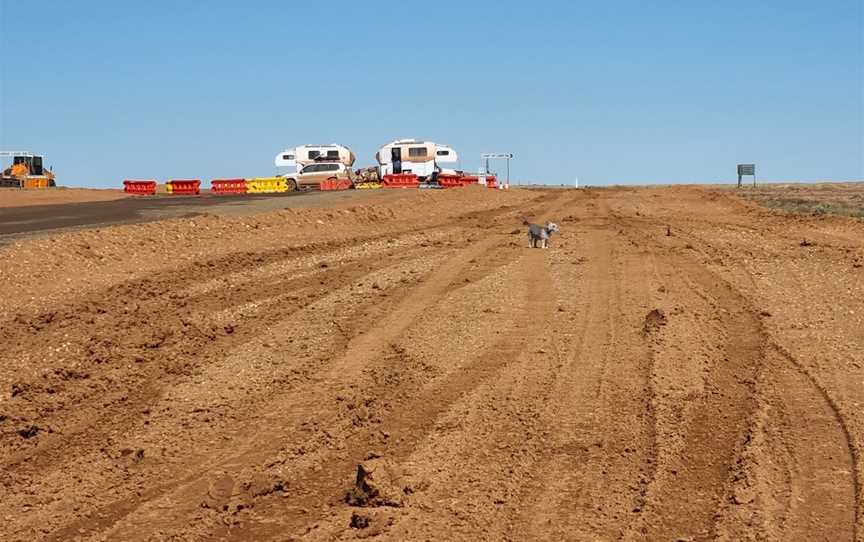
(505, 155)
(746, 169)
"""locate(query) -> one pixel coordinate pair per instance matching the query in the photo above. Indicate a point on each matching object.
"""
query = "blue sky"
(611, 92)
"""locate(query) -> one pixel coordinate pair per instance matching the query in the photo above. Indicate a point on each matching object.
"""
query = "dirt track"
(223, 377)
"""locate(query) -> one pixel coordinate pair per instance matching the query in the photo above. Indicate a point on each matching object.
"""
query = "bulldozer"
(26, 171)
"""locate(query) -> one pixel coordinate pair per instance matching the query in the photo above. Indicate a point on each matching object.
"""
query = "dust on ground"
(679, 365)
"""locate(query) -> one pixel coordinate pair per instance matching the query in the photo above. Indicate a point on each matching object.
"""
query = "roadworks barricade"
(184, 187)
(454, 181)
(228, 186)
(367, 186)
(139, 187)
(335, 184)
(401, 180)
(266, 185)
(450, 181)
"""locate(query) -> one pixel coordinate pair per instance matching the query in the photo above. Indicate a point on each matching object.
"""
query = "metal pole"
(508, 172)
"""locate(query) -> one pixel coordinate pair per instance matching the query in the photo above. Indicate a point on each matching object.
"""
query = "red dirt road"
(223, 377)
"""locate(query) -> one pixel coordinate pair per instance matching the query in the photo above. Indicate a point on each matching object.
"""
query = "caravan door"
(396, 158)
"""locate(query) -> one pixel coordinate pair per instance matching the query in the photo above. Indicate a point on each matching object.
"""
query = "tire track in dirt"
(830, 509)
(599, 417)
(405, 312)
(394, 325)
(41, 461)
(689, 484)
(411, 421)
(154, 287)
(474, 425)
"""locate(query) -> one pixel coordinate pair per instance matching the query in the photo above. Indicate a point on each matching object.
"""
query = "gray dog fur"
(540, 234)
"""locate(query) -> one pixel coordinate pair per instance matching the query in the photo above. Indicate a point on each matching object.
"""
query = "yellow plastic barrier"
(367, 186)
(266, 185)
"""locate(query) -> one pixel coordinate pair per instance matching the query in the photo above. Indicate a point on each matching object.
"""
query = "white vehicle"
(304, 155)
(422, 158)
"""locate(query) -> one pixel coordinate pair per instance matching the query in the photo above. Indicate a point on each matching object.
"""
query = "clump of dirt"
(379, 482)
(359, 521)
(654, 320)
(29, 432)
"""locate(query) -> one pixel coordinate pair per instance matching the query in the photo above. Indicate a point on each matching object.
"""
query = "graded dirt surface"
(14, 197)
(681, 364)
(32, 218)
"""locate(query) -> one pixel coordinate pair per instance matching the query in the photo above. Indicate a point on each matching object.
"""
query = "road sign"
(746, 169)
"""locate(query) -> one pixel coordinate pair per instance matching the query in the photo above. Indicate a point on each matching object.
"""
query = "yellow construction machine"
(26, 171)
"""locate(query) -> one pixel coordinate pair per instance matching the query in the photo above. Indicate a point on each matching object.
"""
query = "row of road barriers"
(276, 185)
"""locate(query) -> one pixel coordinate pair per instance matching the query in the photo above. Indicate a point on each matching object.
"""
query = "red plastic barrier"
(228, 186)
(184, 186)
(450, 181)
(336, 184)
(139, 188)
(453, 181)
(402, 180)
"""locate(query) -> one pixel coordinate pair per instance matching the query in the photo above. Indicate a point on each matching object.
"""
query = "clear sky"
(609, 92)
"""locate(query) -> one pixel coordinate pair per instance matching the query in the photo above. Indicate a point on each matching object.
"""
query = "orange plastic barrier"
(228, 186)
(336, 184)
(184, 187)
(139, 188)
(402, 180)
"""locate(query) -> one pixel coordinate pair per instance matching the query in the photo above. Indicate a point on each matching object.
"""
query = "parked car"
(312, 175)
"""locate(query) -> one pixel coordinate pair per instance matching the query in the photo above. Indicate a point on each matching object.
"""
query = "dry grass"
(845, 199)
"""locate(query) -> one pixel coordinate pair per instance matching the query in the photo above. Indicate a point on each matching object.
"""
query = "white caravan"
(412, 156)
(301, 156)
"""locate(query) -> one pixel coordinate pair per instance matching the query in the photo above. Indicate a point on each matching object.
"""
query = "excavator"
(26, 171)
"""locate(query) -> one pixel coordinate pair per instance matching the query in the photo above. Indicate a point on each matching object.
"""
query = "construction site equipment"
(402, 180)
(139, 187)
(184, 187)
(26, 171)
(228, 186)
(266, 185)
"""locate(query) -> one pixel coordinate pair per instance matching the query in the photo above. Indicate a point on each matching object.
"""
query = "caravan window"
(417, 151)
(333, 154)
(287, 156)
(314, 154)
(443, 153)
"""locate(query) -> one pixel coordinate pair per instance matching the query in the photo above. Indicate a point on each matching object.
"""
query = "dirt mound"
(379, 482)
(654, 320)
